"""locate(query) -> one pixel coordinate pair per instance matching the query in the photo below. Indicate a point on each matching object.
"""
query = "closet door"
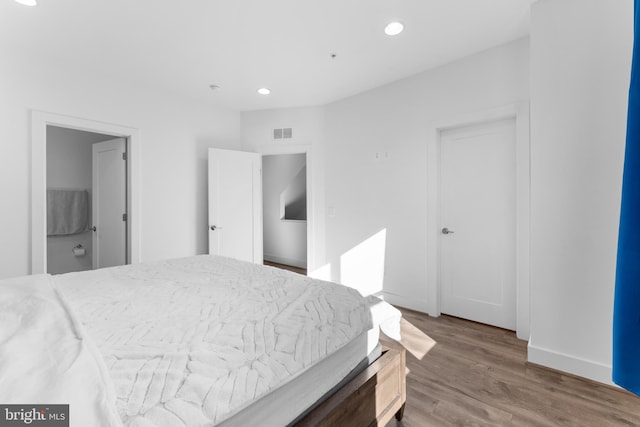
(478, 223)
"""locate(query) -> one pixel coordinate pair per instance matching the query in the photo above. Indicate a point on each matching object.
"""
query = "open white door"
(235, 204)
(109, 203)
(478, 223)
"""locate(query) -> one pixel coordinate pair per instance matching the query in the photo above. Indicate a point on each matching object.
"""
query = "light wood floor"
(477, 375)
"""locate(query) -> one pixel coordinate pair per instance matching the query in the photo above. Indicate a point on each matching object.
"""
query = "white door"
(235, 204)
(109, 203)
(478, 223)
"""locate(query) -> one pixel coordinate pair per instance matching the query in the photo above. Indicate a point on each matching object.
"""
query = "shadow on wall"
(293, 199)
(361, 267)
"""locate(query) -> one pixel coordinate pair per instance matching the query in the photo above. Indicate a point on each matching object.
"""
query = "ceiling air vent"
(285, 133)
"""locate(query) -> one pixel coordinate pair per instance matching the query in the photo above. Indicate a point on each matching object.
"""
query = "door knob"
(213, 228)
(93, 228)
(447, 231)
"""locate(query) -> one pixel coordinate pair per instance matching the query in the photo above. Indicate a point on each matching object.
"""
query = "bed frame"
(372, 398)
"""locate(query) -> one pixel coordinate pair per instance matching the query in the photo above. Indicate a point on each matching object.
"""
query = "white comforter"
(193, 341)
(45, 357)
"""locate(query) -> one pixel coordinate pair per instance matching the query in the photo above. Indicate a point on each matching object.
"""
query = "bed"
(198, 341)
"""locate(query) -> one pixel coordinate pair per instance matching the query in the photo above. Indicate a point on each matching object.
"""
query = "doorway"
(76, 201)
(519, 111)
(41, 122)
(284, 183)
(236, 206)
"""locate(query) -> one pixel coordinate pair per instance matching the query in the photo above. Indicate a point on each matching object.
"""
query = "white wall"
(580, 67)
(69, 165)
(175, 134)
(374, 217)
(384, 201)
(308, 136)
(285, 241)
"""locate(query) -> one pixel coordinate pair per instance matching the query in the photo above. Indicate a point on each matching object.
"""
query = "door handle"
(215, 227)
(447, 231)
(93, 228)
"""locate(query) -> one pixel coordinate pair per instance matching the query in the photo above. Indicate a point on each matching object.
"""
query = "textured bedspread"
(193, 341)
(45, 356)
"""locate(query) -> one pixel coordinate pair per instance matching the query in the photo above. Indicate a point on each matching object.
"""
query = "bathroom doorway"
(86, 200)
(128, 217)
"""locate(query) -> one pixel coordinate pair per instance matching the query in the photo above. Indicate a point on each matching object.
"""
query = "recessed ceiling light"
(28, 2)
(264, 91)
(393, 28)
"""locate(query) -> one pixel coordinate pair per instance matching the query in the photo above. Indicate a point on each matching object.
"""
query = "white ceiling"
(183, 46)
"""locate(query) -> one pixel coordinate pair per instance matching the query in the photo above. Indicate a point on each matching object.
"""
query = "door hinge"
(124, 216)
(124, 156)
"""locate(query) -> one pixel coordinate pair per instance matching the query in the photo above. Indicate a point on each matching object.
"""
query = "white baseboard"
(399, 300)
(285, 261)
(574, 365)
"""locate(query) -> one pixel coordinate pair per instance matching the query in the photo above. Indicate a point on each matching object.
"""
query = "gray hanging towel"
(67, 212)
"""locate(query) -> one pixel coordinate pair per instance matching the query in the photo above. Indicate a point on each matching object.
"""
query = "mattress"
(285, 404)
(209, 340)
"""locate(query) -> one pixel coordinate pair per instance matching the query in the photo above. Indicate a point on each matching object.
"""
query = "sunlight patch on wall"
(362, 267)
(322, 273)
